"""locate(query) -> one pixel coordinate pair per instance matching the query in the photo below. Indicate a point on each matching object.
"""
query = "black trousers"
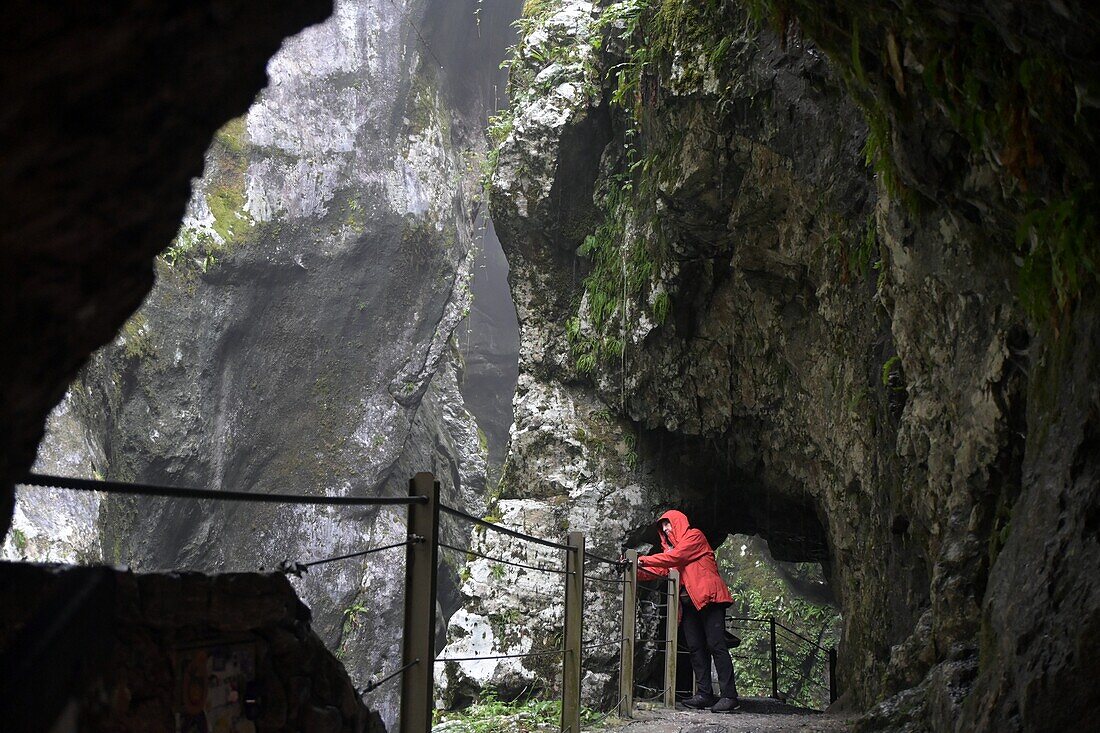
(705, 633)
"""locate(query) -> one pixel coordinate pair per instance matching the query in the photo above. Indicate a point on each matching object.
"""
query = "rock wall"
(108, 116)
(824, 278)
(161, 626)
(299, 337)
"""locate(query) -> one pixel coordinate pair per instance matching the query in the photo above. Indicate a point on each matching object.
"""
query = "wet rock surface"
(784, 342)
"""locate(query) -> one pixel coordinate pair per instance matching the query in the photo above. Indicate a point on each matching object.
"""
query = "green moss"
(225, 191)
(136, 343)
(1016, 108)
(224, 184)
(19, 539)
(888, 368)
(423, 109)
(233, 136)
(622, 271)
(662, 304)
(1060, 241)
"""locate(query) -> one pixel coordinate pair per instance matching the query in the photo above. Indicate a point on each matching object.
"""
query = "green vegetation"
(352, 622)
(892, 365)
(424, 110)
(630, 460)
(662, 304)
(879, 157)
(759, 592)
(136, 343)
(616, 273)
(490, 714)
(19, 539)
(1062, 254)
(857, 255)
(224, 190)
(656, 35)
(1017, 109)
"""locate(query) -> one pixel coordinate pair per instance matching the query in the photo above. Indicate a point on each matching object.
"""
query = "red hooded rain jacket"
(687, 550)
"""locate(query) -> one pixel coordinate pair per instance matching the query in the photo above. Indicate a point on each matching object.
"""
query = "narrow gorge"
(822, 277)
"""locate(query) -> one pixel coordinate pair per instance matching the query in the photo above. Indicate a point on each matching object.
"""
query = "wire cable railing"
(422, 548)
(503, 561)
(177, 492)
(504, 530)
(298, 568)
(814, 664)
(521, 655)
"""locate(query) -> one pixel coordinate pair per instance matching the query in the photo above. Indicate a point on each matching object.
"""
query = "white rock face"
(51, 525)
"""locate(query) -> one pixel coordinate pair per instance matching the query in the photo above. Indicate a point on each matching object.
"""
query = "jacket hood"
(680, 525)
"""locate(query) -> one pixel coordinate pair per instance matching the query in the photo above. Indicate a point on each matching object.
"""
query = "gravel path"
(756, 716)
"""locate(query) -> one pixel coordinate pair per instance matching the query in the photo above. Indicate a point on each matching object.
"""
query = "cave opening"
(723, 496)
(773, 553)
(822, 278)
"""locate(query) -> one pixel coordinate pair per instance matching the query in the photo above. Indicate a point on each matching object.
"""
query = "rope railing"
(647, 589)
(607, 714)
(617, 642)
(573, 575)
(783, 643)
(502, 561)
(618, 564)
(422, 548)
(779, 625)
(298, 568)
(375, 684)
(503, 530)
(178, 492)
(802, 675)
(660, 693)
(478, 657)
(609, 581)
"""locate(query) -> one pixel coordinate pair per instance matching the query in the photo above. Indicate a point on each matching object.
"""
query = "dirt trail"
(756, 716)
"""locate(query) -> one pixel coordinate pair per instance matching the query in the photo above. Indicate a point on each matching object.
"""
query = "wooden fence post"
(775, 668)
(574, 630)
(418, 650)
(626, 651)
(672, 626)
(833, 691)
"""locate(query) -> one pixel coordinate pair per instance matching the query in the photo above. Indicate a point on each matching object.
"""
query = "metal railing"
(51, 630)
(800, 670)
(422, 547)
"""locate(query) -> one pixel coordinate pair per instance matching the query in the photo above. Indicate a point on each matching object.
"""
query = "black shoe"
(726, 705)
(700, 701)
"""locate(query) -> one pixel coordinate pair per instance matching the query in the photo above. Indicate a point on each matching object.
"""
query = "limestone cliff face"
(299, 338)
(108, 118)
(775, 278)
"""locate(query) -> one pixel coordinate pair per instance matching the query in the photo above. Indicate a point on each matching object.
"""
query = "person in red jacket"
(704, 599)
